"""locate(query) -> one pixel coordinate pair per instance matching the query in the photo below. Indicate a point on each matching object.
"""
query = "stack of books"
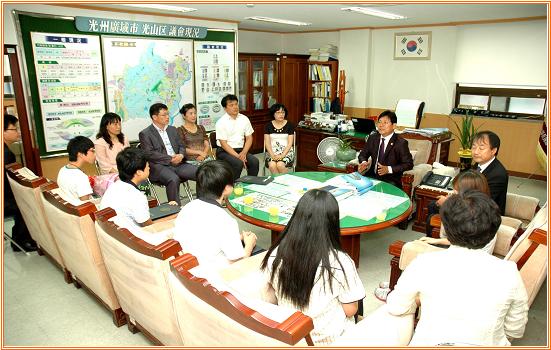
(324, 53)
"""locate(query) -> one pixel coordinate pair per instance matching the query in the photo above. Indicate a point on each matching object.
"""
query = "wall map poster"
(215, 78)
(70, 84)
(140, 72)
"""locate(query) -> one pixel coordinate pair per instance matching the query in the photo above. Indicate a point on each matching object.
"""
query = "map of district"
(145, 72)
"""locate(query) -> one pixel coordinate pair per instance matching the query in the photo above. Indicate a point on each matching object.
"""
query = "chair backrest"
(210, 314)
(74, 231)
(293, 164)
(139, 273)
(530, 254)
(409, 112)
(212, 139)
(521, 207)
(28, 195)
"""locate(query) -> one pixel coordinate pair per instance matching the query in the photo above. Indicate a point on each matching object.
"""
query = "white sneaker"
(384, 285)
(381, 293)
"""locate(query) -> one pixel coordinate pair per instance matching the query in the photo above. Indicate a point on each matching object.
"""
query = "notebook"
(258, 180)
(163, 210)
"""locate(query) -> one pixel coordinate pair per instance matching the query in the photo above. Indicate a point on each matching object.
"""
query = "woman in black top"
(278, 140)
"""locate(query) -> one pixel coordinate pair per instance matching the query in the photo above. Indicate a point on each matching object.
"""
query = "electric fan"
(327, 149)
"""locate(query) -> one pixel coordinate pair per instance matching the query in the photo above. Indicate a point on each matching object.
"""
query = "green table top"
(347, 221)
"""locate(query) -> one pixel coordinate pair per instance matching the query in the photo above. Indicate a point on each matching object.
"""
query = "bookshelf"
(322, 85)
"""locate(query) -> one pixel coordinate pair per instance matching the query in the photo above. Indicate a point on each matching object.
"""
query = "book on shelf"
(257, 100)
(270, 78)
(257, 78)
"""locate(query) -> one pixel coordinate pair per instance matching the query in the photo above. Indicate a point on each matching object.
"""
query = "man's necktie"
(479, 169)
(381, 151)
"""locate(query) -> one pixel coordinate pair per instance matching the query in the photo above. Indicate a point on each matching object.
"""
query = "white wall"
(426, 80)
(259, 42)
(300, 43)
(502, 53)
(354, 52)
(10, 36)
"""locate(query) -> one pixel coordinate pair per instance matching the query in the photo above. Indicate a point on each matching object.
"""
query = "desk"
(351, 227)
(308, 140)
(423, 196)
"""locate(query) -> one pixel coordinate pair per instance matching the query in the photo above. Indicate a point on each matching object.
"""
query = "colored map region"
(151, 71)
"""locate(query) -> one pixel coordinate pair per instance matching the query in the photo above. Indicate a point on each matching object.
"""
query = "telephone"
(435, 180)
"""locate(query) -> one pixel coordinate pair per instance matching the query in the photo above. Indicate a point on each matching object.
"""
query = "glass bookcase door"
(243, 85)
(271, 83)
(258, 85)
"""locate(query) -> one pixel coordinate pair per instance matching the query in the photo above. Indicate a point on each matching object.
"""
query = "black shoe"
(28, 246)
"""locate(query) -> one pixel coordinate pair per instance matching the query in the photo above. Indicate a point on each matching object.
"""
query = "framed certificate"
(412, 46)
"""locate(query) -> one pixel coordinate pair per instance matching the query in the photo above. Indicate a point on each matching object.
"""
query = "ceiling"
(330, 17)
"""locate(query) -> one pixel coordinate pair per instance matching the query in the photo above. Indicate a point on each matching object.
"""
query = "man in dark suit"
(166, 153)
(485, 148)
(390, 158)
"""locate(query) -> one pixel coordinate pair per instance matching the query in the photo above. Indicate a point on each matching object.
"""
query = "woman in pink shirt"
(109, 142)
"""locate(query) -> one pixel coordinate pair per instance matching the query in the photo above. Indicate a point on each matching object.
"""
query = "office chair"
(409, 112)
(150, 184)
(293, 164)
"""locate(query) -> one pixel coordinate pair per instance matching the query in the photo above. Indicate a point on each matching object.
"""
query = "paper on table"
(272, 189)
(297, 182)
(368, 205)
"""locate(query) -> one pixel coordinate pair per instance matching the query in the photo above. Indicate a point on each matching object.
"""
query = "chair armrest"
(417, 172)
(435, 224)
(395, 249)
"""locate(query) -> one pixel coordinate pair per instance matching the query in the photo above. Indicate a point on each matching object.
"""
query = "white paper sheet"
(406, 111)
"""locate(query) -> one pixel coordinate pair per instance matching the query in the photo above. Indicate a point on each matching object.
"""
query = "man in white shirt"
(468, 297)
(71, 179)
(204, 228)
(234, 135)
(166, 153)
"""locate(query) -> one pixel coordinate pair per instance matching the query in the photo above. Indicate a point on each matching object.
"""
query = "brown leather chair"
(74, 231)
(139, 274)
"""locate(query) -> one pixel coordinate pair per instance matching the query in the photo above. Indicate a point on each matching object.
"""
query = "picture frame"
(412, 46)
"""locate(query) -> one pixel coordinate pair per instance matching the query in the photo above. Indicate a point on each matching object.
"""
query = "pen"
(266, 179)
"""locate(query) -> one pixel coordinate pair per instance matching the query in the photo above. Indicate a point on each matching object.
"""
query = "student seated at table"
(204, 228)
(389, 153)
(278, 140)
(71, 179)
(308, 270)
(109, 142)
(467, 296)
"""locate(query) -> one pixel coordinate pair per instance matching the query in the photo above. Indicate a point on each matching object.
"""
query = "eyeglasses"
(92, 150)
(11, 129)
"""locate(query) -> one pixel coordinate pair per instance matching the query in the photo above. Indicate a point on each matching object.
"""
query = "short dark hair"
(229, 97)
(186, 108)
(470, 218)
(156, 108)
(276, 107)
(212, 178)
(390, 115)
(78, 144)
(492, 137)
(9, 120)
(129, 161)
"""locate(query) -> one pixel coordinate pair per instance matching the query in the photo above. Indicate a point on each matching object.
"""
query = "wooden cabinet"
(322, 85)
(258, 81)
(267, 79)
(423, 196)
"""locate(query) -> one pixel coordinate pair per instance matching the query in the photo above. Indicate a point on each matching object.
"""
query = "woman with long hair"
(109, 142)
(309, 271)
(278, 140)
(194, 136)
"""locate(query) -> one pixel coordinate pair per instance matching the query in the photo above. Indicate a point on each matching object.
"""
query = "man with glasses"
(389, 153)
(19, 233)
(71, 179)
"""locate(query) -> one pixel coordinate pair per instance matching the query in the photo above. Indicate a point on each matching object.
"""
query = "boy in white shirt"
(71, 179)
(124, 196)
(204, 228)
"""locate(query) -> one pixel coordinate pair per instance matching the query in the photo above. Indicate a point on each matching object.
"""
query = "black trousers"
(236, 163)
(20, 232)
(432, 209)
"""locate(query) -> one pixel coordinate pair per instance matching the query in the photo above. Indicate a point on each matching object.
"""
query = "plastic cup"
(248, 200)
(238, 189)
(273, 211)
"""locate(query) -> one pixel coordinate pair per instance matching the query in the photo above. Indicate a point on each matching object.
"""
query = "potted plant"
(345, 152)
(465, 133)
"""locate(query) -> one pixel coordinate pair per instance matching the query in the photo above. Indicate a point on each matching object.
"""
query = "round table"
(351, 227)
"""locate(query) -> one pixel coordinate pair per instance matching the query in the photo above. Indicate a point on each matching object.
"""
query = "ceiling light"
(276, 20)
(162, 7)
(372, 12)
